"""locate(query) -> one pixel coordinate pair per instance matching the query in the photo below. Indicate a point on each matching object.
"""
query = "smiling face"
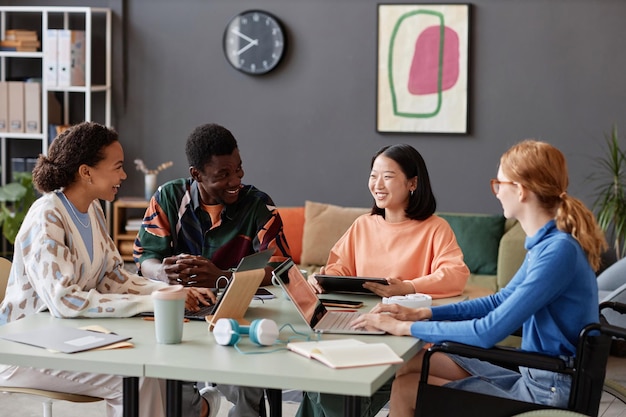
(508, 194)
(107, 175)
(220, 179)
(389, 186)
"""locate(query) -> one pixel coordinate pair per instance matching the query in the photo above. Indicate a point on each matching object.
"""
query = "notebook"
(310, 307)
(64, 339)
(348, 285)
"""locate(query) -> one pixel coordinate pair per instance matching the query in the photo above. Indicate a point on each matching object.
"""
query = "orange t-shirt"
(424, 252)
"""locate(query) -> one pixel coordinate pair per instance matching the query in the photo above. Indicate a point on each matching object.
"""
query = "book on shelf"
(20, 34)
(346, 353)
(133, 225)
(20, 45)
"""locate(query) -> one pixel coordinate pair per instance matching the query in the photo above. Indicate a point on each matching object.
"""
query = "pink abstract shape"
(424, 72)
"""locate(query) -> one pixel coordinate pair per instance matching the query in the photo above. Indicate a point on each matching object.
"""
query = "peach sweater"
(424, 252)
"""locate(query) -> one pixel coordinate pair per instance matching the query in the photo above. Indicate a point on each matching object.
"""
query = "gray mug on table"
(169, 312)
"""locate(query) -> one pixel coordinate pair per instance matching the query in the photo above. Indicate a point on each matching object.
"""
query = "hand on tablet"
(314, 284)
(395, 287)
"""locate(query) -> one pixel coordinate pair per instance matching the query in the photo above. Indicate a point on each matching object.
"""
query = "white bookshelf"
(81, 18)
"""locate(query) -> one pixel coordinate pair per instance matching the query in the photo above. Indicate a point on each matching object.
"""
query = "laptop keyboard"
(200, 314)
(339, 320)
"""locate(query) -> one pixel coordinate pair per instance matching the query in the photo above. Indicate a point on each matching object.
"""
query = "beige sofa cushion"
(324, 224)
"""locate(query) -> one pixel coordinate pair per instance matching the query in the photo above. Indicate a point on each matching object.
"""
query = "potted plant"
(610, 194)
(15, 200)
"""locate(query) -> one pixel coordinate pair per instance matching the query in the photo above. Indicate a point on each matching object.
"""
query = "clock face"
(254, 42)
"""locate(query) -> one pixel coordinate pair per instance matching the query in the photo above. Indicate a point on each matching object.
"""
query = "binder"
(16, 106)
(32, 107)
(71, 58)
(50, 49)
(18, 165)
(4, 107)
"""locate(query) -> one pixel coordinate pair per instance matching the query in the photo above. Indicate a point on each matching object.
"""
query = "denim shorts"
(530, 385)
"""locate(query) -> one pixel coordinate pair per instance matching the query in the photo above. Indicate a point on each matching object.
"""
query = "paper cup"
(169, 312)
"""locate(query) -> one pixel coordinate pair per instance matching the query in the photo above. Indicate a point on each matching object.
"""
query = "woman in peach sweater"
(401, 239)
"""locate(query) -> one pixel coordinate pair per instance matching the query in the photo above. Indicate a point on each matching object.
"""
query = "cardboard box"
(32, 107)
(4, 107)
(16, 106)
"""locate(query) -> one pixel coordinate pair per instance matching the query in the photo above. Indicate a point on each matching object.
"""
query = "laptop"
(311, 309)
(255, 261)
(347, 285)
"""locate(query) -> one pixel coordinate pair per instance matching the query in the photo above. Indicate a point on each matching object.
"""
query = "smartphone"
(333, 302)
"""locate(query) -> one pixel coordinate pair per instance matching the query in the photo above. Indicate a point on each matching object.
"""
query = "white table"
(199, 358)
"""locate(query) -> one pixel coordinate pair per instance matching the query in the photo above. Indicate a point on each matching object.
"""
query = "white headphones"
(263, 332)
(411, 300)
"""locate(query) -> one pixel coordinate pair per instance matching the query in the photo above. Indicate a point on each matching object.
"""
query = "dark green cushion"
(479, 237)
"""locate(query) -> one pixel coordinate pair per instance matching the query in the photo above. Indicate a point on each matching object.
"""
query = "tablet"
(345, 284)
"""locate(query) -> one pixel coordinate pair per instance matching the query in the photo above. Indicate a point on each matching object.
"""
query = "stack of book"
(133, 225)
(20, 40)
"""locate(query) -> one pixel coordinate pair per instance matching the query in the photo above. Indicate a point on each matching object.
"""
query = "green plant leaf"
(15, 200)
(610, 195)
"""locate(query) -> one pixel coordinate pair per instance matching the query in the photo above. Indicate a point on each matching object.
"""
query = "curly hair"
(542, 169)
(80, 144)
(206, 141)
(422, 203)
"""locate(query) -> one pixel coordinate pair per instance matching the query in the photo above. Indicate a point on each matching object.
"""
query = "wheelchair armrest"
(615, 305)
(499, 355)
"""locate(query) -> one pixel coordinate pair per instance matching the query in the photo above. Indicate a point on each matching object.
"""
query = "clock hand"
(241, 35)
(248, 46)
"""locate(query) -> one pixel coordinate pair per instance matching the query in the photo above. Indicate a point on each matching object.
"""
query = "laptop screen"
(301, 294)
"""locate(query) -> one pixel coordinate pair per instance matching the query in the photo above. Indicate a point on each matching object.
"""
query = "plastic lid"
(172, 292)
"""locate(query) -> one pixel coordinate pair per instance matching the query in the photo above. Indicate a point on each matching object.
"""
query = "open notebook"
(310, 307)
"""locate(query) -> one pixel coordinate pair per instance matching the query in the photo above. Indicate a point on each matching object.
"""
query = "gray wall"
(552, 70)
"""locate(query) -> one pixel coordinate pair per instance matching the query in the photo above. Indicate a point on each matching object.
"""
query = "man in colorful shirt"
(196, 229)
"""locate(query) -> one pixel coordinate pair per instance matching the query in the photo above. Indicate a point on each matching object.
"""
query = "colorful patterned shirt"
(175, 222)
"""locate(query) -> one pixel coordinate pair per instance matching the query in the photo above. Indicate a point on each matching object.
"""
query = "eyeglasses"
(495, 185)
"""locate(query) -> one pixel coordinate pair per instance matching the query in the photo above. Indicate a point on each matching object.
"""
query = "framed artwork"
(422, 68)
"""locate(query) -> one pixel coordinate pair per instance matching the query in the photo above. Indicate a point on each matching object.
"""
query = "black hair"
(206, 141)
(422, 203)
(80, 144)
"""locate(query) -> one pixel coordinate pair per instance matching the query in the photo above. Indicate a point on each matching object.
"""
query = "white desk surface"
(199, 358)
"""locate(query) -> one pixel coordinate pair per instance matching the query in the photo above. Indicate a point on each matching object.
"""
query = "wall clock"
(254, 42)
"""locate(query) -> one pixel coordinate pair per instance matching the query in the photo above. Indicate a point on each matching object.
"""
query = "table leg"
(130, 400)
(174, 398)
(275, 400)
(352, 406)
